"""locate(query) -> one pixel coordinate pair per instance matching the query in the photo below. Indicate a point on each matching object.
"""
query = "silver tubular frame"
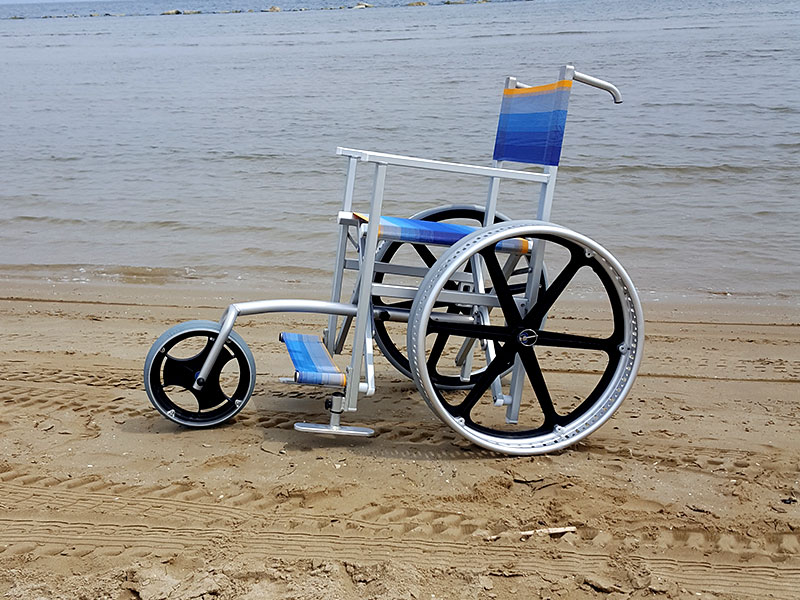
(362, 347)
(260, 307)
(329, 337)
(438, 165)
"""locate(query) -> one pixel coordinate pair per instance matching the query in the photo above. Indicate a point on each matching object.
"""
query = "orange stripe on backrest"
(539, 89)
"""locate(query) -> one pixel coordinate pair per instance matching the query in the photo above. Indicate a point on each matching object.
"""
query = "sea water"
(200, 146)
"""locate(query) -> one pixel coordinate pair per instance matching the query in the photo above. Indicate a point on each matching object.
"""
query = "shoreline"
(279, 283)
(691, 488)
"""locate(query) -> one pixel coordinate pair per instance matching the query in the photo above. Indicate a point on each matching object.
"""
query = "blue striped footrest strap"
(430, 232)
(312, 361)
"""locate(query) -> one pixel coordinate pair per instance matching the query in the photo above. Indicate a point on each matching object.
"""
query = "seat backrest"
(532, 120)
(531, 130)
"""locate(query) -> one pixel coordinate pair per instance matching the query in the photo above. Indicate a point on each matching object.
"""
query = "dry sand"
(690, 491)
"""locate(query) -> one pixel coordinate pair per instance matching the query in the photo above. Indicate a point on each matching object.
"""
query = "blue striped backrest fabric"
(532, 121)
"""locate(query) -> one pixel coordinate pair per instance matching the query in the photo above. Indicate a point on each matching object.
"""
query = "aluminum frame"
(359, 312)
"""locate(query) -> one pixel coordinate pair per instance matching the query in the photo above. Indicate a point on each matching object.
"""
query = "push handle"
(598, 83)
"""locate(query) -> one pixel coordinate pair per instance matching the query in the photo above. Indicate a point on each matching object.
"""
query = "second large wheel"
(391, 337)
(568, 376)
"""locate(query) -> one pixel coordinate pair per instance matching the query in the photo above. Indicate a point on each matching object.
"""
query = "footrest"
(312, 361)
(334, 429)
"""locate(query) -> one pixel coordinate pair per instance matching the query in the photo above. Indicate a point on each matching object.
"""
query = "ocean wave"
(688, 27)
(710, 105)
(153, 9)
(210, 228)
(682, 170)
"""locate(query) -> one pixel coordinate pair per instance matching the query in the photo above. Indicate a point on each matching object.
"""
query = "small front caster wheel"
(172, 367)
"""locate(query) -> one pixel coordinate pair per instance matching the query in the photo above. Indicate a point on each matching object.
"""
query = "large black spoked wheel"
(569, 375)
(391, 336)
(172, 366)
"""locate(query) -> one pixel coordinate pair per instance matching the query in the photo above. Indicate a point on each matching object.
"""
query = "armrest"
(438, 165)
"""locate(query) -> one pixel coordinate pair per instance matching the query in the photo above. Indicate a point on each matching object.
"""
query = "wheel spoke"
(379, 302)
(470, 330)
(601, 387)
(211, 395)
(179, 372)
(618, 334)
(501, 289)
(501, 363)
(554, 290)
(436, 351)
(183, 371)
(440, 343)
(536, 378)
(581, 342)
(425, 254)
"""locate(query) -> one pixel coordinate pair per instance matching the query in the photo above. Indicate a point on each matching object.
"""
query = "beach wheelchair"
(457, 298)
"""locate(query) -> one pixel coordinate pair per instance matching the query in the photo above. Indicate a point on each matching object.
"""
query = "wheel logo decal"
(527, 337)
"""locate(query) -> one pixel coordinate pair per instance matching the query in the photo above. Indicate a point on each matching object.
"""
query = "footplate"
(334, 429)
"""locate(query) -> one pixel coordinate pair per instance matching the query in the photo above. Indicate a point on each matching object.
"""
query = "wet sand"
(691, 490)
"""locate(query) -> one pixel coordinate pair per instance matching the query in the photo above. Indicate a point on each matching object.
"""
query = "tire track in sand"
(82, 539)
(168, 520)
